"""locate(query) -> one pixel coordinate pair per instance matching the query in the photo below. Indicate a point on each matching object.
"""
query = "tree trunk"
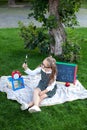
(59, 32)
(11, 2)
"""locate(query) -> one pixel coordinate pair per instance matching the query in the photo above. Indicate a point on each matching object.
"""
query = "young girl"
(46, 86)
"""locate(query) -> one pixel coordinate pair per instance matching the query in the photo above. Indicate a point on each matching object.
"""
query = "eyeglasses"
(45, 66)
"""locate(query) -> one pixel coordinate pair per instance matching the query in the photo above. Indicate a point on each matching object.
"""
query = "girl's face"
(45, 65)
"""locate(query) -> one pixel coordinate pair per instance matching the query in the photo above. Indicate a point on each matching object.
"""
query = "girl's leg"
(31, 104)
(25, 106)
(43, 97)
(36, 101)
(36, 97)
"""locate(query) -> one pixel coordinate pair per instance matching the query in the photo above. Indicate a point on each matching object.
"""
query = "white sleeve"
(33, 72)
(50, 87)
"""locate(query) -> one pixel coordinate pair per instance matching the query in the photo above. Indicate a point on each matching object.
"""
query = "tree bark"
(11, 2)
(59, 32)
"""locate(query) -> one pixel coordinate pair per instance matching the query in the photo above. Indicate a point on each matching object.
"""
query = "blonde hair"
(52, 64)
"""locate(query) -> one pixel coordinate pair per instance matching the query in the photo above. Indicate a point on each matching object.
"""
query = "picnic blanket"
(25, 95)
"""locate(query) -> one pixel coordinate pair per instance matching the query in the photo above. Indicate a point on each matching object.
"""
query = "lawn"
(84, 4)
(67, 116)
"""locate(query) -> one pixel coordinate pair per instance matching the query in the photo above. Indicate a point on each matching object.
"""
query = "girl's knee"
(43, 96)
(37, 90)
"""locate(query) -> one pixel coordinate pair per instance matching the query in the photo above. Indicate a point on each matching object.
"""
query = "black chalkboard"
(66, 72)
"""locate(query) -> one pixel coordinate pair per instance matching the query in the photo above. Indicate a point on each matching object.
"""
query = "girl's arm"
(43, 92)
(50, 87)
(31, 72)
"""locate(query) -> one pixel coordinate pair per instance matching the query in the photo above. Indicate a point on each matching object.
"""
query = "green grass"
(12, 53)
(84, 4)
(67, 116)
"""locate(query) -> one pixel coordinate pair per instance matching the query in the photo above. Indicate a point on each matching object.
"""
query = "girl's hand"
(43, 92)
(25, 66)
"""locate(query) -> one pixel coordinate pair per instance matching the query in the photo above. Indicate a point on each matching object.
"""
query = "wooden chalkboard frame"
(66, 72)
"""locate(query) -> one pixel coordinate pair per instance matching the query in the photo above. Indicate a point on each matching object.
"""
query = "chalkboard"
(66, 72)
